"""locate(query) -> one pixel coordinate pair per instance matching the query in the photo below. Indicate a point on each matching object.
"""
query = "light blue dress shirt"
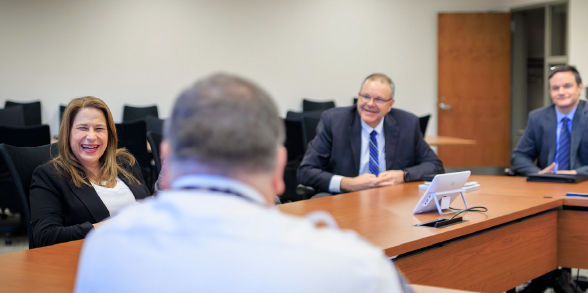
(219, 236)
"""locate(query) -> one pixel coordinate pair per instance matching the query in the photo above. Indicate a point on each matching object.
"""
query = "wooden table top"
(448, 140)
(47, 269)
(371, 213)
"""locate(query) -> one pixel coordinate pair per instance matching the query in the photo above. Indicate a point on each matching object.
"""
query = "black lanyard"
(225, 191)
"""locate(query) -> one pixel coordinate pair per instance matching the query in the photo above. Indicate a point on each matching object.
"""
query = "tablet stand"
(438, 204)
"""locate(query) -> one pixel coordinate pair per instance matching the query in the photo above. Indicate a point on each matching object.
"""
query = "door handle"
(443, 106)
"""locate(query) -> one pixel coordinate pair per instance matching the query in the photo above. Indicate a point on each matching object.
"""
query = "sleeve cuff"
(335, 184)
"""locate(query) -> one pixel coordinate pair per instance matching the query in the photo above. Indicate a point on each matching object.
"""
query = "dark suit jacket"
(61, 212)
(336, 148)
(538, 142)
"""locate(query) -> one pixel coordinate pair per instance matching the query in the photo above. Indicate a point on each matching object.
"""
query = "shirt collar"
(570, 115)
(368, 129)
(220, 182)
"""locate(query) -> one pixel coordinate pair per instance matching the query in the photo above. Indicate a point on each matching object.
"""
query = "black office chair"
(133, 137)
(294, 142)
(21, 161)
(25, 136)
(295, 146)
(154, 140)
(132, 113)
(424, 121)
(308, 105)
(31, 111)
(61, 110)
(12, 116)
(301, 132)
(154, 124)
(309, 121)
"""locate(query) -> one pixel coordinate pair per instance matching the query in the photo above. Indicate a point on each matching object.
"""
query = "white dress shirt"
(213, 234)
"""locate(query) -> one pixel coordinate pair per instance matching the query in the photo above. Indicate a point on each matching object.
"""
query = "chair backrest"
(20, 162)
(308, 121)
(294, 139)
(424, 121)
(61, 110)
(308, 105)
(12, 116)
(154, 140)
(133, 137)
(31, 111)
(25, 136)
(154, 124)
(132, 113)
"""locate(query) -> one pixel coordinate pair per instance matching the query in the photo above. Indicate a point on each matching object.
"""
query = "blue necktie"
(563, 147)
(374, 169)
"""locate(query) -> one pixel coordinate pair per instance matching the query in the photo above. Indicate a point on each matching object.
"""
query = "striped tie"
(374, 169)
(563, 148)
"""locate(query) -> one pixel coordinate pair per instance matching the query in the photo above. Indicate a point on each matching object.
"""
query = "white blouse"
(116, 197)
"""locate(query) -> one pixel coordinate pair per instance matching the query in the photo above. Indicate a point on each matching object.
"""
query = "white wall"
(578, 37)
(145, 52)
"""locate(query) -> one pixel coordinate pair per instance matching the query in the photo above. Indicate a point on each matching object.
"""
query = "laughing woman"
(88, 181)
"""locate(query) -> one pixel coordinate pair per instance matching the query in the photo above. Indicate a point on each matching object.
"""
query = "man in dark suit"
(368, 145)
(556, 136)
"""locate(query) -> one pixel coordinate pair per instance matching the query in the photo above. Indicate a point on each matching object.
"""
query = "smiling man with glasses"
(367, 145)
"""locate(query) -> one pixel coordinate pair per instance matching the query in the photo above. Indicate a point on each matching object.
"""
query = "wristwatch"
(405, 174)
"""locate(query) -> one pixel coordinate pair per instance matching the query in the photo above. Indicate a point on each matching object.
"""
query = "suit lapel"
(390, 132)
(355, 140)
(88, 196)
(577, 132)
(550, 139)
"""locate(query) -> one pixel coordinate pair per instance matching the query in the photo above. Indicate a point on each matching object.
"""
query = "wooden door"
(474, 87)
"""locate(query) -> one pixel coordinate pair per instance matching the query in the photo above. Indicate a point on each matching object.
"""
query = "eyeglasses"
(379, 101)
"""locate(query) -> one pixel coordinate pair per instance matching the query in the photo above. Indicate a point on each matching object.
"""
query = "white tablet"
(441, 192)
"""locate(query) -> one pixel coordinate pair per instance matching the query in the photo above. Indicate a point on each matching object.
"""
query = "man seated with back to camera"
(216, 229)
(367, 145)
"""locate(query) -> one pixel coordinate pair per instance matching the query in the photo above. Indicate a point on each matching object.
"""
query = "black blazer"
(336, 148)
(61, 212)
(536, 149)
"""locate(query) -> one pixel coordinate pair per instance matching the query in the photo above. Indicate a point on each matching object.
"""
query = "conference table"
(433, 140)
(530, 228)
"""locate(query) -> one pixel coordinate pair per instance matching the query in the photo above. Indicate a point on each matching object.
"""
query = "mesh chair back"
(132, 113)
(61, 110)
(308, 105)
(12, 116)
(25, 136)
(20, 162)
(294, 139)
(133, 137)
(424, 121)
(154, 124)
(310, 121)
(31, 111)
(154, 140)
